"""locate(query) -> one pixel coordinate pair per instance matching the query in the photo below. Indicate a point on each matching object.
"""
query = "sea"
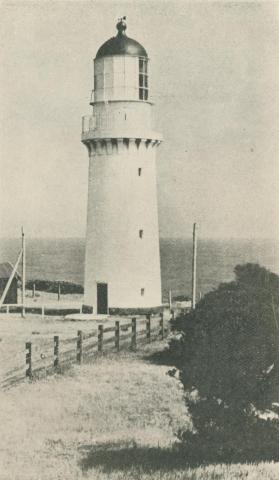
(63, 259)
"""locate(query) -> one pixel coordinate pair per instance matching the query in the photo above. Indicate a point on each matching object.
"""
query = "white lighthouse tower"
(122, 264)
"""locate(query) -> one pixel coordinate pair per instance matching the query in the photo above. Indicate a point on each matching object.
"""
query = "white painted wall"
(120, 140)
(119, 120)
(120, 203)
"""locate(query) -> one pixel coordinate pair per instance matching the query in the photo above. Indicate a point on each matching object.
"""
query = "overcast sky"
(215, 84)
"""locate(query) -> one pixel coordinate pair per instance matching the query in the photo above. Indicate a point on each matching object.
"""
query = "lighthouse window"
(139, 172)
(143, 79)
(140, 233)
(142, 291)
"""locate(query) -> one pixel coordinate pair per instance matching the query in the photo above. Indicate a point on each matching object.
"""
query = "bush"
(181, 298)
(229, 354)
(51, 286)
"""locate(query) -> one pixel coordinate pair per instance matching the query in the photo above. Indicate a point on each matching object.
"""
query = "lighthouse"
(122, 258)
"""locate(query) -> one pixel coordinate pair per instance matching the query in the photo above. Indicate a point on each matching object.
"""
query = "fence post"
(28, 359)
(162, 333)
(134, 334)
(43, 312)
(117, 335)
(100, 338)
(79, 346)
(172, 315)
(7, 309)
(148, 328)
(56, 351)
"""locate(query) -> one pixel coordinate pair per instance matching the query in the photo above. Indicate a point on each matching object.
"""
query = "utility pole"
(23, 273)
(170, 299)
(194, 266)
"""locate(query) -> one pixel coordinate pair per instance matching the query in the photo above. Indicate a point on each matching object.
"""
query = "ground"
(115, 419)
(15, 331)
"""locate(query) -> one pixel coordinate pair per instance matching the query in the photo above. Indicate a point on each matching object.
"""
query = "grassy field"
(15, 331)
(112, 419)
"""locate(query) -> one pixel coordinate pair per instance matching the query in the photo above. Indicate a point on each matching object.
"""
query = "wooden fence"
(86, 345)
(45, 309)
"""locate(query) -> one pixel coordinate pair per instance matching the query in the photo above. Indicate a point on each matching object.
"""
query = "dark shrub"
(51, 286)
(229, 354)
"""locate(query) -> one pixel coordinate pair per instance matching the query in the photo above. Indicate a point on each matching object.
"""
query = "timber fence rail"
(60, 308)
(54, 355)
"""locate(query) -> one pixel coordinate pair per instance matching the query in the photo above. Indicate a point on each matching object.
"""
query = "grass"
(113, 419)
(15, 331)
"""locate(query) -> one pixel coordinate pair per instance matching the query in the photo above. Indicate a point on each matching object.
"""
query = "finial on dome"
(121, 26)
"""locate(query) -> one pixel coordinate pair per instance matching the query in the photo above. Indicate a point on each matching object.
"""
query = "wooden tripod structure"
(22, 258)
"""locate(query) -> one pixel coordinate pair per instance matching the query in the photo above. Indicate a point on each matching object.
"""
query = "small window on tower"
(139, 172)
(143, 79)
(142, 292)
(140, 233)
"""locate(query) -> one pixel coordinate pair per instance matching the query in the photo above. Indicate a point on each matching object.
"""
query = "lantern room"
(121, 69)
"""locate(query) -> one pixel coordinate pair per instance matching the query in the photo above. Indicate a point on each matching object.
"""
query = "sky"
(215, 84)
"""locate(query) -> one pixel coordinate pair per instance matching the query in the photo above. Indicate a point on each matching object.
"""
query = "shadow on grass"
(167, 352)
(112, 457)
(163, 356)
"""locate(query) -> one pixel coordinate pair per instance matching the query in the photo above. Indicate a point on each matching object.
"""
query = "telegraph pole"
(194, 266)
(23, 273)
(170, 299)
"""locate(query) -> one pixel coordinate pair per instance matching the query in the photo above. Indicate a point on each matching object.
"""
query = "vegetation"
(113, 419)
(52, 286)
(118, 417)
(228, 355)
(181, 298)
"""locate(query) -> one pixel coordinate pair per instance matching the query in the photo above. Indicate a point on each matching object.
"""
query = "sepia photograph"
(139, 240)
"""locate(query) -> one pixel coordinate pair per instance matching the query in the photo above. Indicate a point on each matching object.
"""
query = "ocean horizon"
(63, 259)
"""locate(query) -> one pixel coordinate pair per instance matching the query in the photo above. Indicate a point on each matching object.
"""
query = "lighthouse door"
(102, 298)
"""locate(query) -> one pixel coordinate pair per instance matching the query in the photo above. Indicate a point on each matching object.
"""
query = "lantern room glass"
(143, 79)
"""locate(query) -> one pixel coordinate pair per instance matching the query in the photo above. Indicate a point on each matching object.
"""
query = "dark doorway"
(102, 298)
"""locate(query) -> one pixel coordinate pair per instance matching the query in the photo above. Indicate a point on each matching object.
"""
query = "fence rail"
(80, 347)
(47, 308)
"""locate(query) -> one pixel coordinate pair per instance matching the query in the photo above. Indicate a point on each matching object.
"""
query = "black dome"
(121, 44)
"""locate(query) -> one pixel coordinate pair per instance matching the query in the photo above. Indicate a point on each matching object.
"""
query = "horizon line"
(189, 237)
